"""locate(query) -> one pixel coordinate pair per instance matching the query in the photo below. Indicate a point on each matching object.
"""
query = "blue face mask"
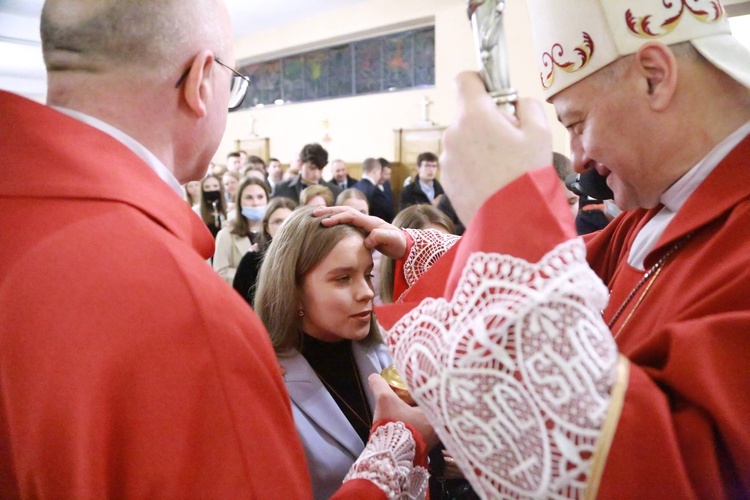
(254, 214)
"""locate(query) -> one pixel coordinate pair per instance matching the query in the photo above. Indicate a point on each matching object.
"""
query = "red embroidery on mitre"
(705, 11)
(554, 59)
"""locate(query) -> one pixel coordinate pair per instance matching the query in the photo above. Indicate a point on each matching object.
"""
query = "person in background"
(341, 176)
(243, 234)
(193, 193)
(275, 174)
(213, 206)
(385, 184)
(372, 177)
(230, 181)
(246, 276)
(243, 157)
(217, 169)
(234, 162)
(313, 158)
(425, 188)
(316, 195)
(354, 198)
(291, 172)
(315, 298)
(257, 162)
(258, 173)
(563, 170)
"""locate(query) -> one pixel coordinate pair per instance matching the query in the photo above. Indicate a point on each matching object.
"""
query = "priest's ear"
(197, 88)
(657, 66)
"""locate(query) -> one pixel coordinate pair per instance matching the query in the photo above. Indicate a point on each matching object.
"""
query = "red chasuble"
(683, 431)
(128, 368)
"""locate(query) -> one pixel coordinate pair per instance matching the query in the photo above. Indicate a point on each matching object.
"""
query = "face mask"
(254, 214)
(211, 196)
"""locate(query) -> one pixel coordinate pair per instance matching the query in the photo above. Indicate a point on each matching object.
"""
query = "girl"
(315, 298)
(234, 242)
(278, 210)
(212, 207)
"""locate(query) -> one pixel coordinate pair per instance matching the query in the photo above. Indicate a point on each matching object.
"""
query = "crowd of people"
(238, 209)
(533, 363)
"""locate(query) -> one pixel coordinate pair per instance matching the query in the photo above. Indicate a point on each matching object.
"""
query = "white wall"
(363, 126)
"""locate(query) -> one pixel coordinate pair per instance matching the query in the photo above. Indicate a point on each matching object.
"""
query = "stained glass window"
(383, 64)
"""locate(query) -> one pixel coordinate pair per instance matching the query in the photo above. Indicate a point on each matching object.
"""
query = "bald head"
(100, 35)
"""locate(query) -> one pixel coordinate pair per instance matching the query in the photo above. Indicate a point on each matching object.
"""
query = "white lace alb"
(515, 371)
(388, 462)
(429, 246)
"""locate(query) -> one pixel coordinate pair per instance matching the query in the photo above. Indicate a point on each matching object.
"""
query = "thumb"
(378, 385)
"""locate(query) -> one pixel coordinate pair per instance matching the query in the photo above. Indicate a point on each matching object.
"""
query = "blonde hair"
(413, 217)
(311, 192)
(349, 193)
(300, 245)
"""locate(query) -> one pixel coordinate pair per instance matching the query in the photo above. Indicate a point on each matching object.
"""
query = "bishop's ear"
(197, 87)
(657, 66)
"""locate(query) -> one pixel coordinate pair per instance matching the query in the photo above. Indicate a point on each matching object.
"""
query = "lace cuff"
(515, 372)
(429, 246)
(388, 462)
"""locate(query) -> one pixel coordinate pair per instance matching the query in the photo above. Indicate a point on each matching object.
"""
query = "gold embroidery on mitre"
(705, 11)
(554, 59)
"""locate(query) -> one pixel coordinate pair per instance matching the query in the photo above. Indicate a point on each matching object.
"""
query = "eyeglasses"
(238, 86)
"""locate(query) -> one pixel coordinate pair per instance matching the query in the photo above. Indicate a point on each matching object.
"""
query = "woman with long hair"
(233, 242)
(212, 207)
(315, 298)
(246, 277)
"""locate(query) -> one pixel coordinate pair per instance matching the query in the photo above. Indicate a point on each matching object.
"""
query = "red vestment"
(683, 431)
(128, 368)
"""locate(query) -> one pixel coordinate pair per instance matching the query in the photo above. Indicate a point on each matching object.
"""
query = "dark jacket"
(379, 204)
(293, 187)
(413, 194)
(350, 182)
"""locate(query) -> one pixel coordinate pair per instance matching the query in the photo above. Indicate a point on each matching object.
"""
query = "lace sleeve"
(388, 462)
(429, 246)
(515, 372)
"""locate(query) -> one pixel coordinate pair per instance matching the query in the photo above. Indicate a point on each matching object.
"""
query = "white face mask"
(254, 214)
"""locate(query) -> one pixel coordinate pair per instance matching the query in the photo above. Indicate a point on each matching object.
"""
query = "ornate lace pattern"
(388, 462)
(429, 246)
(515, 371)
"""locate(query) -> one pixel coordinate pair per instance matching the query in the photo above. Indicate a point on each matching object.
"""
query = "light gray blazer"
(331, 444)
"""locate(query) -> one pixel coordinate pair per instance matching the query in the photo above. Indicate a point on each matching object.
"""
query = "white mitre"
(575, 38)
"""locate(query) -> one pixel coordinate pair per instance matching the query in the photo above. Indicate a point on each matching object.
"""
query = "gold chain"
(330, 388)
(648, 279)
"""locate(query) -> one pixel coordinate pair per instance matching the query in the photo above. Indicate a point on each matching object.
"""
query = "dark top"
(379, 204)
(445, 206)
(246, 277)
(293, 187)
(350, 182)
(413, 194)
(335, 366)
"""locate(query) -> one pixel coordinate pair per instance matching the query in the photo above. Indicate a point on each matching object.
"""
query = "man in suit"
(372, 177)
(340, 176)
(313, 158)
(425, 189)
(385, 185)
